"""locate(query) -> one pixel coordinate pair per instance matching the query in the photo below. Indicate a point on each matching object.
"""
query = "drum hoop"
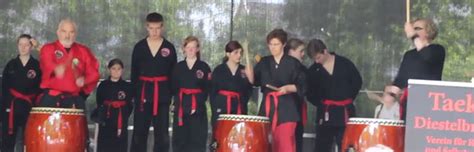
(383, 122)
(48, 110)
(247, 118)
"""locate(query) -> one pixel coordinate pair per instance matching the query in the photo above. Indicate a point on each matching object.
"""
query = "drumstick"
(408, 10)
(272, 87)
(245, 47)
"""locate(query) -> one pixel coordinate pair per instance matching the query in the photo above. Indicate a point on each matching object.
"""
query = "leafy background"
(369, 32)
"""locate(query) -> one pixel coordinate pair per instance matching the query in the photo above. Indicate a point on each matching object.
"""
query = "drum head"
(246, 118)
(49, 110)
(384, 122)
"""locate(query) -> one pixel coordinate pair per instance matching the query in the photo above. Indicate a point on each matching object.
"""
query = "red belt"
(403, 101)
(56, 93)
(16, 95)
(230, 95)
(118, 105)
(275, 96)
(156, 90)
(192, 92)
(338, 103)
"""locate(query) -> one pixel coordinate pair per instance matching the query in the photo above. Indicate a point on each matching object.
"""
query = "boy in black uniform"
(20, 86)
(191, 83)
(114, 101)
(153, 59)
(334, 83)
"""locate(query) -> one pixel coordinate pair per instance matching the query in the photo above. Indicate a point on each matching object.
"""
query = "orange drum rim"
(49, 110)
(383, 122)
(246, 118)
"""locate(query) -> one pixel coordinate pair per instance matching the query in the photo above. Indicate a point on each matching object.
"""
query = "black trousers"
(108, 138)
(299, 136)
(192, 135)
(20, 116)
(61, 101)
(141, 123)
(327, 136)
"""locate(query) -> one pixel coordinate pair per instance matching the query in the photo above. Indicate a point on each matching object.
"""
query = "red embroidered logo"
(58, 54)
(199, 74)
(165, 52)
(121, 95)
(209, 76)
(31, 74)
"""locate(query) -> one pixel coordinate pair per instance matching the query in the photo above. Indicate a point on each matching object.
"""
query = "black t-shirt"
(425, 64)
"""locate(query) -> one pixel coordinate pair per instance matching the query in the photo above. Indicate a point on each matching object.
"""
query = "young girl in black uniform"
(190, 82)
(114, 101)
(20, 85)
(231, 87)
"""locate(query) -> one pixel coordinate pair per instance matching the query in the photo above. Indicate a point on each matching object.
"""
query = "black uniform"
(301, 106)
(20, 86)
(190, 87)
(230, 93)
(333, 95)
(288, 71)
(114, 103)
(150, 75)
(425, 64)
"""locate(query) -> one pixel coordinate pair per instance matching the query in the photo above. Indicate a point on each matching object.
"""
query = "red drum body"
(55, 130)
(239, 133)
(381, 135)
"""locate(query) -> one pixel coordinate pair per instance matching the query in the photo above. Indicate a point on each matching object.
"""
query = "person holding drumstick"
(70, 70)
(425, 61)
(334, 83)
(388, 108)
(231, 86)
(282, 83)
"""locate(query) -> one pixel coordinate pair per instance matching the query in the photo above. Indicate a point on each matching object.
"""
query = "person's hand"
(409, 30)
(289, 88)
(373, 96)
(59, 70)
(35, 44)
(193, 111)
(283, 90)
(80, 81)
(249, 73)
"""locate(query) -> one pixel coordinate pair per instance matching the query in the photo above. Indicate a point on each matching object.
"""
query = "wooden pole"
(408, 10)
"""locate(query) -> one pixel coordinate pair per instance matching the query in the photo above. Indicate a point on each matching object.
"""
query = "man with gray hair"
(70, 70)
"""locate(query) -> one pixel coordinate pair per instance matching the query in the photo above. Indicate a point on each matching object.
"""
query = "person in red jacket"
(70, 70)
